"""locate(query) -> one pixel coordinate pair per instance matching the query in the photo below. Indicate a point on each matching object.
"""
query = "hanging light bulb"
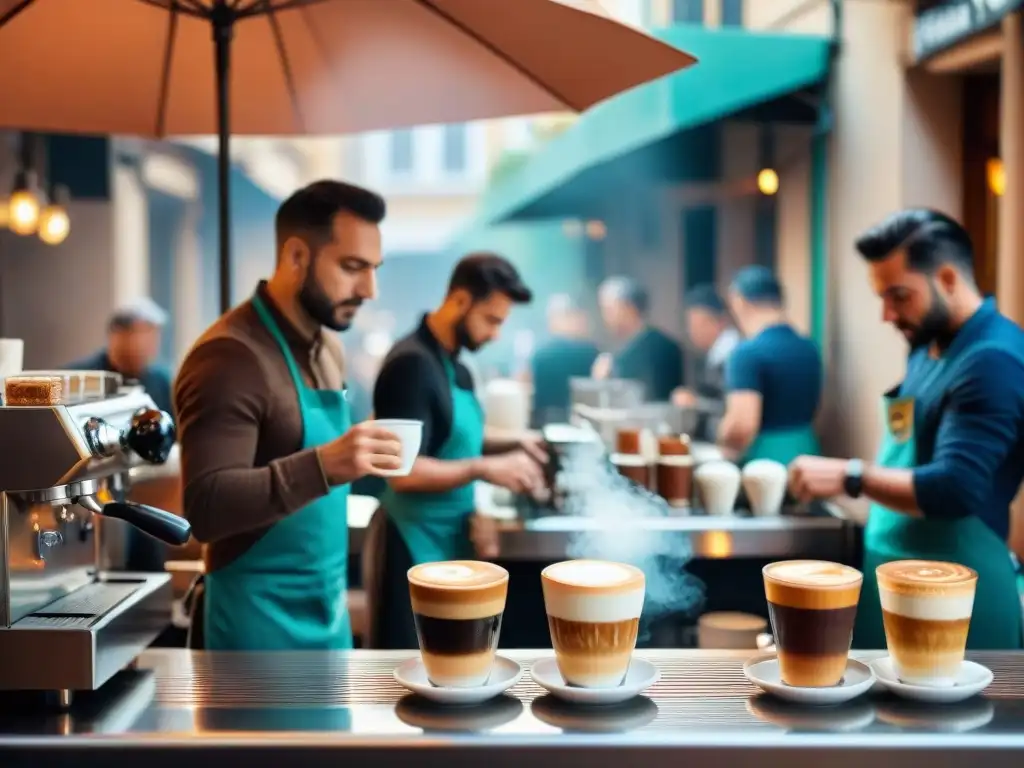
(23, 207)
(54, 222)
(768, 181)
(996, 176)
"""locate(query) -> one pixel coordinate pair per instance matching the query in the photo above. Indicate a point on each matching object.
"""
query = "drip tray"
(82, 607)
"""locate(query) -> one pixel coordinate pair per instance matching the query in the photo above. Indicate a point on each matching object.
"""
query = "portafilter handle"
(166, 527)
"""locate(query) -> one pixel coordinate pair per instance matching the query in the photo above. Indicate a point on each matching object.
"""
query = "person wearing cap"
(646, 354)
(773, 378)
(710, 331)
(951, 458)
(133, 345)
(566, 355)
(428, 515)
(268, 447)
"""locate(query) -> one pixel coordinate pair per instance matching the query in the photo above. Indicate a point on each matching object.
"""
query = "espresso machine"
(68, 441)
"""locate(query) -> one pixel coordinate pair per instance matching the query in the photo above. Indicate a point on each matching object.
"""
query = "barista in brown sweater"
(267, 445)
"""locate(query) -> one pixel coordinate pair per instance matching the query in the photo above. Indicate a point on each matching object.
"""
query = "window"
(732, 13)
(454, 149)
(688, 11)
(402, 151)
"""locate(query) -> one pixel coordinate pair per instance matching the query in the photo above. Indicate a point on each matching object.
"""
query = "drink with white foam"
(764, 482)
(812, 605)
(926, 609)
(718, 485)
(593, 609)
(457, 606)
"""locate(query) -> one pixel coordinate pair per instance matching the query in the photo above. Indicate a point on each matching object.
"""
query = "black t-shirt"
(653, 358)
(413, 384)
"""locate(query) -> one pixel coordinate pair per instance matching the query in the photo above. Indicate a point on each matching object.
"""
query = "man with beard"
(267, 445)
(428, 515)
(952, 454)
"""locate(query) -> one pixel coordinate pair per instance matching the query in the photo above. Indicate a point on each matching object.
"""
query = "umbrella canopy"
(285, 67)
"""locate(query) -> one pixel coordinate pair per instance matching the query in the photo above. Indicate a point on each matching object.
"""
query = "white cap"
(142, 310)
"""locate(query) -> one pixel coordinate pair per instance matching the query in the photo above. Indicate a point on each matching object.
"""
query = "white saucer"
(765, 674)
(640, 676)
(971, 680)
(411, 674)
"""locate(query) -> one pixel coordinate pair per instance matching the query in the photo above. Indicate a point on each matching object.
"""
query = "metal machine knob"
(151, 435)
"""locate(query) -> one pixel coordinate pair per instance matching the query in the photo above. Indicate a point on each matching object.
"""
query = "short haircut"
(309, 212)
(929, 239)
(138, 310)
(705, 297)
(627, 290)
(758, 285)
(482, 274)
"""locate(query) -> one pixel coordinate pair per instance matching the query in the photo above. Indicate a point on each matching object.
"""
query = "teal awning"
(739, 74)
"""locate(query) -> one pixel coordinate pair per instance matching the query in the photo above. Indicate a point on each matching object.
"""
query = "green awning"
(738, 73)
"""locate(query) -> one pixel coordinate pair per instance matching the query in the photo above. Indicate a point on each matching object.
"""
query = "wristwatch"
(853, 483)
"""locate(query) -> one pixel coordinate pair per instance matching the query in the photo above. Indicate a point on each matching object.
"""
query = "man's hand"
(483, 532)
(602, 367)
(535, 446)
(515, 471)
(366, 449)
(815, 477)
(684, 398)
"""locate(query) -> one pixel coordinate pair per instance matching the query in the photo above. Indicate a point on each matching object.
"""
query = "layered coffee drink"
(458, 607)
(593, 609)
(633, 467)
(812, 605)
(926, 610)
(675, 479)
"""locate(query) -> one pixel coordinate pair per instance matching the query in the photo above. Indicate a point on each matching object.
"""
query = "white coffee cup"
(718, 484)
(12, 357)
(410, 433)
(764, 482)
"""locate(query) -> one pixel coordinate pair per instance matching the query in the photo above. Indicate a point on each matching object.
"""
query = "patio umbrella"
(287, 67)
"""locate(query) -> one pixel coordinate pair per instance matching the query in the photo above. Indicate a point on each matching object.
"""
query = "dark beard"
(935, 327)
(319, 307)
(463, 340)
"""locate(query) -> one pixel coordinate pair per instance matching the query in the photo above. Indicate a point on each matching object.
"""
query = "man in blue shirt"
(773, 377)
(646, 354)
(133, 343)
(952, 454)
(567, 355)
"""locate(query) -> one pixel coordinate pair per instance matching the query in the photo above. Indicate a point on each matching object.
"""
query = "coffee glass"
(634, 467)
(675, 479)
(926, 610)
(593, 609)
(457, 606)
(718, 485)
(764, 482)
(812, 605)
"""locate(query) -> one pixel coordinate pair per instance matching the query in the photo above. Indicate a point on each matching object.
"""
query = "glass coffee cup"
(457, 606)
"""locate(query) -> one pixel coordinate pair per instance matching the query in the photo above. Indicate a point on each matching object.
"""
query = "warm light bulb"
(768, 181)
(996, 176)
(54, 225)
(596, 230)
(23, 212)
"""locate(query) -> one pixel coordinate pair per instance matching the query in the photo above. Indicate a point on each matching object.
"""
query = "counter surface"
(342, 709)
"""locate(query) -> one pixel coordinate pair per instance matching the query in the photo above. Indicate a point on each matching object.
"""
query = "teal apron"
(288, 591)
(434, 525)
(889, 535)
(784, 445)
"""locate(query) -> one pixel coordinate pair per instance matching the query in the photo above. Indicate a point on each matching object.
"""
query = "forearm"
(227, 502)
(891, 488)
(431, 475)
(733, 436)
(497, 440)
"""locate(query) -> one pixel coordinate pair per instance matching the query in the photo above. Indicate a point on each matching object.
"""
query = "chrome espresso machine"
(67, 443)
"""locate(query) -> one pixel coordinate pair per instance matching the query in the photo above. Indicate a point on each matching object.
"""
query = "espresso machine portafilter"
(69, 441)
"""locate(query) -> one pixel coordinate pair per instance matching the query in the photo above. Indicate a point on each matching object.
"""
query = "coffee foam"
(458, 589)
(811, 584)
(927, 577)
(593, 591)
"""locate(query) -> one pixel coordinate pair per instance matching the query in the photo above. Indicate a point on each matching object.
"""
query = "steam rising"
(606, 503)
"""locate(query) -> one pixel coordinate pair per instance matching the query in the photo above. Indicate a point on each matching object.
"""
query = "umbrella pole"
(223, 19)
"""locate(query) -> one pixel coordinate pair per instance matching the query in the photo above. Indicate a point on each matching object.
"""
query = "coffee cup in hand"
(410, 434)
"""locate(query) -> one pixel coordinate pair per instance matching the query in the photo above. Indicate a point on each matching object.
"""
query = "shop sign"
(947, 24)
